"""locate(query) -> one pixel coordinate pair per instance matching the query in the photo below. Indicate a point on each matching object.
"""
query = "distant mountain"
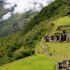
(15, 23)
(2, 10)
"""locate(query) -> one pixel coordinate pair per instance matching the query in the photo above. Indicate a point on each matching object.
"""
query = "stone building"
(68, 37)
(58, 37)
(64, 65)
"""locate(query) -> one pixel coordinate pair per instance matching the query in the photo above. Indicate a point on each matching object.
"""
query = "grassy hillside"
(60, 22)
(18, 45)
(38, 62)
(23, 43)
(59, 50)
(62, 51)
(56, 9)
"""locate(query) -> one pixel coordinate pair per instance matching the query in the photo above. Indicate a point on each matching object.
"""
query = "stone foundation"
(58, 37)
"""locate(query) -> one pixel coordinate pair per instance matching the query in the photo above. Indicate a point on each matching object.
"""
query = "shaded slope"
(15, 23)
(19, 45)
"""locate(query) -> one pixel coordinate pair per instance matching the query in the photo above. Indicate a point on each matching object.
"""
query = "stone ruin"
(64, 65)
(62, 27)
(58, 37)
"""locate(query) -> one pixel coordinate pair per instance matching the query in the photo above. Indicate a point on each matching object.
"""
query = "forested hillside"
(23, 43)
(56, 9)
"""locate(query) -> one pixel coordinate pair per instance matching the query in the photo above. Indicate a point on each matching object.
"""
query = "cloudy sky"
(25, 5)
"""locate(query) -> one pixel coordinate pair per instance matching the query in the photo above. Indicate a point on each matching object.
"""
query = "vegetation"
(17, 46)
(59, 50)
(60, 22)
(56, 9)
(38, 62)
(15, 23)
(22, 42)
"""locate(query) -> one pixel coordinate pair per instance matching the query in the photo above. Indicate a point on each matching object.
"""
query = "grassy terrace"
(60, 22)
(60, 51)
(37, 62)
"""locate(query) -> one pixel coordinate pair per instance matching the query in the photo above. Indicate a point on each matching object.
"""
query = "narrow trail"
(45, 50)
(45, 47)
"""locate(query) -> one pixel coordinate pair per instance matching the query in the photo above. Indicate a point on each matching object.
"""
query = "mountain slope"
(15, 23)
(42, 61)
(23, 44)
(56, 9)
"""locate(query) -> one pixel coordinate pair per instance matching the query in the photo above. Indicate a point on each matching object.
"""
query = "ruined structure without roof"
(64, 65)
(59, 37)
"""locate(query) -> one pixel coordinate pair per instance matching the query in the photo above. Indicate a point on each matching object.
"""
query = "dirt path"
(45, 50)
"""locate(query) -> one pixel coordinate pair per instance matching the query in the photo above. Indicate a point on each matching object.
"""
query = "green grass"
(62, 21)
(37, 62)
(60, 51)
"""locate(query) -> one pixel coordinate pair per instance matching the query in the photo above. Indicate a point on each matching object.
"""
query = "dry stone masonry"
(64, 65)
(58, 37)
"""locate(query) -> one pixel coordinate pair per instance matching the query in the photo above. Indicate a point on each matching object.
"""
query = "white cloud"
(6, 16)
(25, 5)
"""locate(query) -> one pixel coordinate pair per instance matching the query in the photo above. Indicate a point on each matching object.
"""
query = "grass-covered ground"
(61, 21)
(22, 45)
(37, 62)
(59, 50)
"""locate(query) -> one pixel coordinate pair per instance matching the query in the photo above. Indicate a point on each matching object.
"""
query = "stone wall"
(58, 37)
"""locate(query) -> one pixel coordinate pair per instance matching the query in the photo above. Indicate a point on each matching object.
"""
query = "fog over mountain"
(23, 6)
